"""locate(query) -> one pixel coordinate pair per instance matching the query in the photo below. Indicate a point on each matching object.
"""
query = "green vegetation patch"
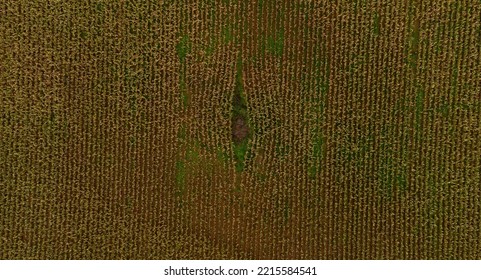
(183, 48)
(275, 44)
(227, 35)
(240, 152)
(240, 123)
(100, 7)
(317, 152)
(180, 174)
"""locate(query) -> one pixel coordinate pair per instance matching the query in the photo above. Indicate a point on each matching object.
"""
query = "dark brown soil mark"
(240, 129)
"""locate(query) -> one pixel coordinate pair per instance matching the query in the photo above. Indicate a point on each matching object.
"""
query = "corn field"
(240, 129)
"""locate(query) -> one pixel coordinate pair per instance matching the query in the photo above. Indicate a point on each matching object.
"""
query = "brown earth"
(240, 130)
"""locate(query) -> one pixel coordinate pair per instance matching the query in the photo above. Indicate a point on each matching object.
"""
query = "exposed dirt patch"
(240, 129)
